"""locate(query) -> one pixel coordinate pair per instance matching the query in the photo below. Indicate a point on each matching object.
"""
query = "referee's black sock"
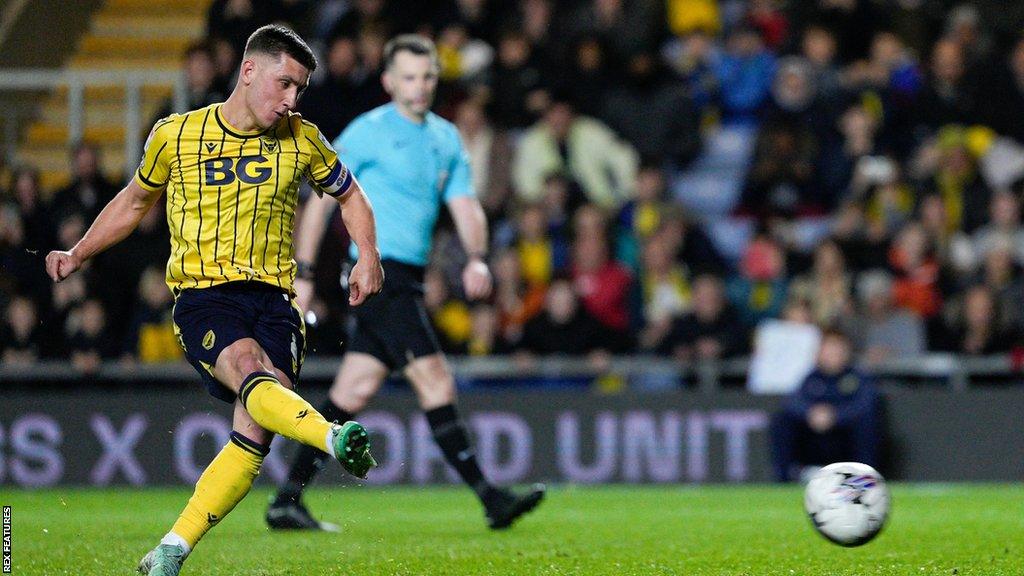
(309, 460)
(451, 437)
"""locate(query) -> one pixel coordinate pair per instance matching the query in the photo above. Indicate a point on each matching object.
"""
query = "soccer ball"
(848, 502)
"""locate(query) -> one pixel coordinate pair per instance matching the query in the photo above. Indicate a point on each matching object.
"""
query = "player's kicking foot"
(164, 560)
(352, 448)
(505, 507)
(293, 515)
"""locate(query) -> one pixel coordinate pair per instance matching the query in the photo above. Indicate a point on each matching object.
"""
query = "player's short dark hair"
(414, 43)
(274, 40)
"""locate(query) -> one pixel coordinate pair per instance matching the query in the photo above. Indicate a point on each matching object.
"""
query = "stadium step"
(58, 134)
(53, 162)
(158, 7)
(98, 112)
(126, 47)
(144, 26)
(123, 34)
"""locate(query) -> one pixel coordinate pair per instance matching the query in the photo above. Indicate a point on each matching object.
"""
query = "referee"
(410, 161)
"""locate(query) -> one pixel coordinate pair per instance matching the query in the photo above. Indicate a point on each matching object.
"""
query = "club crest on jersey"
(209, 340)
(269, 143)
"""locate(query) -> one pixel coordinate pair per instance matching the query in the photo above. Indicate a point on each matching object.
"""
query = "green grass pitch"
(720, 530)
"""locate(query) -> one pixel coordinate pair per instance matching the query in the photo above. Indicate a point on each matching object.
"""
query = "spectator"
(833, 417)
(35, 216)
(977, 331)
(625, 28)
(537, 250)
(89, 191)
(827, 288)
(1003, 227)
(864, 240)
(151, 336)
(818, 46)
(563, 327)
(656, 116)
(759, 290)
(710, 331)
(20, 269)
(917, 272)
(235, 20)
(1001, 276)
(362, 15)
(516, 300)
(463, 58)
(450, 316)
(603, 284)
(664, 290)
(782, 171)
(588, 79)
(885, 331)
(642, 217)
(693, 16)
(88, 342)
(490, 154)
(948, 97)
(851, 163)
(19, 333)
(343, 92)
(784, 351)
(200, 80)
(517, 94)
(766, 17)
(1006, 114)
(589, 151)
(485, 333)
(745, 73)
(65, 298)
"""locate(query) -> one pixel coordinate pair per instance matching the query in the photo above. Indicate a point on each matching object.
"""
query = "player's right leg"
(246, 369)
(357, 381)
(223, 484)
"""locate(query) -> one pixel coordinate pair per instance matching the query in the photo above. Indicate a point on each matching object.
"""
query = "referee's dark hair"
(415, 43)
(274, 39)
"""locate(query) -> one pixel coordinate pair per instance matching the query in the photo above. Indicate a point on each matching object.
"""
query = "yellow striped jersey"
(231, 195)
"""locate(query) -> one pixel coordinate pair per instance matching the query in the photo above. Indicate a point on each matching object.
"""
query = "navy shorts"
(393, 325)
(208, 320)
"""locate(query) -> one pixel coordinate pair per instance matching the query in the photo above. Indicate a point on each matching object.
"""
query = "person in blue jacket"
(832, 417)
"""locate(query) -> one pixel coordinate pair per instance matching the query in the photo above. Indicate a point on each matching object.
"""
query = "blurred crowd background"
(660, 176)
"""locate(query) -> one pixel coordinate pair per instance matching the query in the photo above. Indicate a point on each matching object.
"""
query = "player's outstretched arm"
(117, 220)
(471, 223)
(367, 276)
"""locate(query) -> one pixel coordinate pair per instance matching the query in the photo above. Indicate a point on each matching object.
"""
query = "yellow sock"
(284, 412)
(223, 484)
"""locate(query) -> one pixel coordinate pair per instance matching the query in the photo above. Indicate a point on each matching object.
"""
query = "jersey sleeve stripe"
(331, 176)
(146, 183)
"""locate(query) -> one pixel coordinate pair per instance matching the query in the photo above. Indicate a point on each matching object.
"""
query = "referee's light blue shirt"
(408, 171)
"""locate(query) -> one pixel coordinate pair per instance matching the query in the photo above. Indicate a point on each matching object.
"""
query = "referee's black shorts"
(393, 325)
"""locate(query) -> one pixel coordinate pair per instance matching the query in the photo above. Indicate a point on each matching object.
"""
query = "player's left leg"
(435, 388)
(223, 484)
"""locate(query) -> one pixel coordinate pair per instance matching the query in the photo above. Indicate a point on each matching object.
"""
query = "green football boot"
(164, 560)
(352, 448)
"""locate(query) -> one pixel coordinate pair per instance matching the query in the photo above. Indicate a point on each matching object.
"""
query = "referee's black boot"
(293, 515)
(505, 507)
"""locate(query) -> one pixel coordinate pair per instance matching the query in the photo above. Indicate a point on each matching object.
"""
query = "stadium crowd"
(660, 176)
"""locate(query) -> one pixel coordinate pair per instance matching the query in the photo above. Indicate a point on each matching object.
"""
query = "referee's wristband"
(305, 271)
